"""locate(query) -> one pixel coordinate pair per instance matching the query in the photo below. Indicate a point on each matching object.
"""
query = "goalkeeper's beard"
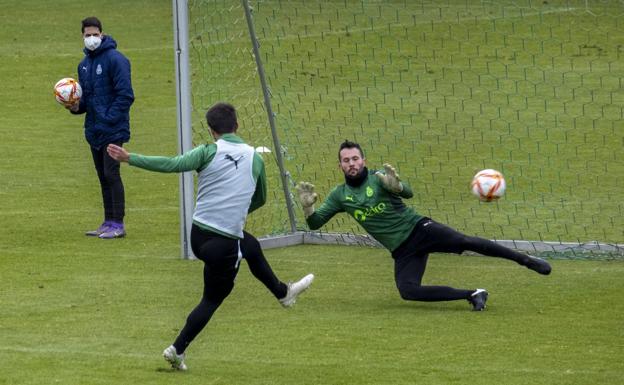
(358, 179)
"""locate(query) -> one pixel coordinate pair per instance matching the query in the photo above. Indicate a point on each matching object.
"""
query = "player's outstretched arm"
(307, 197)
(390, 179)
(118, 153)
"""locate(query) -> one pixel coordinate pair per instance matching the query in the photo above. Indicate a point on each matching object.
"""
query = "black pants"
(428, 236)
(113, 195)
(221, 257)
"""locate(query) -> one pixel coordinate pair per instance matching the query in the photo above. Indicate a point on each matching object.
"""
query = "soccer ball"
(488, 185)
(67, 91)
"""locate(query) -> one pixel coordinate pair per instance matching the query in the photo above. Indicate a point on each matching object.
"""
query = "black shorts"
(429, 236)
(221, 256)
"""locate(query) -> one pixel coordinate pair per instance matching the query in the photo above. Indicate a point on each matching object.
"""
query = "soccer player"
(374, 200)
(104, 75)
(231, 184)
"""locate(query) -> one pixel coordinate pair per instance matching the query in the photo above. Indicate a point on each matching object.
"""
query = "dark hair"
(91, 22)
(222, 118)
(349, 144)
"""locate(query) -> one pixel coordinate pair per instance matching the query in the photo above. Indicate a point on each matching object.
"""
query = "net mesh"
(441, 90)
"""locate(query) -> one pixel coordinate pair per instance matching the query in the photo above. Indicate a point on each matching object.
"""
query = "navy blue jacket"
(104, 75)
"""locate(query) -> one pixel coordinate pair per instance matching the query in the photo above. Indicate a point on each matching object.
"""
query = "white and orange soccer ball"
(488, 185)
(67, 91)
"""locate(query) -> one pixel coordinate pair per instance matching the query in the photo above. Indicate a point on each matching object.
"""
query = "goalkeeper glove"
(307, 197)
(390, 179)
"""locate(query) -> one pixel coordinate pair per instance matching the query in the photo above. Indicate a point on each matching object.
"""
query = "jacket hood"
(107, 43)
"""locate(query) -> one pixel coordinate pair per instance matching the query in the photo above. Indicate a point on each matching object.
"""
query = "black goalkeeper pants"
(428, 236)
(113, 196)
(221, 257)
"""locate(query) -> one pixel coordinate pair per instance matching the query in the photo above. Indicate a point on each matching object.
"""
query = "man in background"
(104, 75)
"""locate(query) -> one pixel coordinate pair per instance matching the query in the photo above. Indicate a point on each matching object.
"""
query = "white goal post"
(184, 125)
(185, 131)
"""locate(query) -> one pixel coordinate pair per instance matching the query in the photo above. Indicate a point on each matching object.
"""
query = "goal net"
(440, 90)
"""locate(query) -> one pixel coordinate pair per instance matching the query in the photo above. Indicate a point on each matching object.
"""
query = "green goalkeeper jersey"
(380, 212)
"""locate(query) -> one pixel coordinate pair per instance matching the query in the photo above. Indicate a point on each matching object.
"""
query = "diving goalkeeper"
(374, 200)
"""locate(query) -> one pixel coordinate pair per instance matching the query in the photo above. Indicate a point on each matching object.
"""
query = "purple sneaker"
(115, 230)
(100, 230)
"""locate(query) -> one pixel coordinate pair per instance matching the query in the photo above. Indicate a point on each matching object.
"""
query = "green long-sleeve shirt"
(199, 159)
(380, 212)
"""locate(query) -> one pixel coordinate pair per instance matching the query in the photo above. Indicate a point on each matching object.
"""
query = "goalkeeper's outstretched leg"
(446, 239)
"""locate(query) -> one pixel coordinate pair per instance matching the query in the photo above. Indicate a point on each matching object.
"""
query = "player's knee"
(111, 177)
(408, 290)
(217, 293)
(465, 242)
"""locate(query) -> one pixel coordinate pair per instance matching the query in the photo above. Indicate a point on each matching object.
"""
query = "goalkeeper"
(231, 183)
(374, 200)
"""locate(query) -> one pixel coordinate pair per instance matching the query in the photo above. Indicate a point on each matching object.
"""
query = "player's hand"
(118, 153)
(73, 107)
(390, 179)
(307, 197)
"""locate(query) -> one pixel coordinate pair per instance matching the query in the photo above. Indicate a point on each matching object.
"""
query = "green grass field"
(104, 316)
(75, 310)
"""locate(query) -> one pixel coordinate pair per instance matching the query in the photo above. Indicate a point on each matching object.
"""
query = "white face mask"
(92, 42)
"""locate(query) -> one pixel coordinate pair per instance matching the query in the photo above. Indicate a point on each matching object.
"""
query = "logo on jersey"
(369, 191)
(349, 198)
(229, 157)
(98, 70)
(361, 215)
